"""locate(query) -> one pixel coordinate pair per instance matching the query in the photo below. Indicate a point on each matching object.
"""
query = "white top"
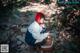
(35, 29)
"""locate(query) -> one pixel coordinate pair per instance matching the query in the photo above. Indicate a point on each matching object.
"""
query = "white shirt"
(35, 29)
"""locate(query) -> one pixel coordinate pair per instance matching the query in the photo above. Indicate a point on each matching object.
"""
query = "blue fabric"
(29, 39)
(43, 30)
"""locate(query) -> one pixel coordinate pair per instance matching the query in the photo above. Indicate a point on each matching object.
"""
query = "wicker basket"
(48, 45)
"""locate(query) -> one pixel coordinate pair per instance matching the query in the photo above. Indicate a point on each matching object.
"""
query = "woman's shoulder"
(34, 25)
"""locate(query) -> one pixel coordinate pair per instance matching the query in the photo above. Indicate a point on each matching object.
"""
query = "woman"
(36, 32)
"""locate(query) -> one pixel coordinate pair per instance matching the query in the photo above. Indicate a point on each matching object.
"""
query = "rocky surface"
(17, 26)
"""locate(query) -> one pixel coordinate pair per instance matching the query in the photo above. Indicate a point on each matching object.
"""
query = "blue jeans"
(31, 41)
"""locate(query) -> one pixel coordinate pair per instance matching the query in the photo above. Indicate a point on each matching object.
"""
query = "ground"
(17, 27)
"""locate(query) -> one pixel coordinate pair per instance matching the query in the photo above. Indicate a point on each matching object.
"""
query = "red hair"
(38, 16)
